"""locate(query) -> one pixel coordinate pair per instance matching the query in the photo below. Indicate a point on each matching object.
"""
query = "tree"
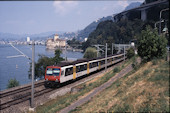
(45, 61)
(114, 32)
(12, 83)
(151, 45)
(57, 57)
(90, 53)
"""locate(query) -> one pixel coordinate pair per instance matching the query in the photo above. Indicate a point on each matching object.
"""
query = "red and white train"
(64, 72)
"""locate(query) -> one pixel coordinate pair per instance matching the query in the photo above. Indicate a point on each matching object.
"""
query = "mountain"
(10, 36)
(40, 36)
(133, 5)
(92, 26)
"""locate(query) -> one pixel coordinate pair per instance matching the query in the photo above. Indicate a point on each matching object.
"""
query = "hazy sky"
(32, 17)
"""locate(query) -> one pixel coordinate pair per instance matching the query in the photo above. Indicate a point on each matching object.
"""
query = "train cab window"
(69, 71)
(49, 71)
(56, 72)
(53, 72)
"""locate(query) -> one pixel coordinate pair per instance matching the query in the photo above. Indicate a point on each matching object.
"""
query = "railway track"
(13, 92)
(13, 97)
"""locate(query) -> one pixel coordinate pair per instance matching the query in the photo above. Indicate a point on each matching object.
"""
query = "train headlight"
(46, 79)
(56, 80)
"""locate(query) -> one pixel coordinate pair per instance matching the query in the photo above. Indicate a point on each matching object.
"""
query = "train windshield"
(53, 72)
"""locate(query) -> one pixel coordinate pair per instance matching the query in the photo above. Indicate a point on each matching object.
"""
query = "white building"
(55, 42)
(28, 39)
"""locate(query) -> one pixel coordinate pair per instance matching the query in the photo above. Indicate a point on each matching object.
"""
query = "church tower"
(56, 37)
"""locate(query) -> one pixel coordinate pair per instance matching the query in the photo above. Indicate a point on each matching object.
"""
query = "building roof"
(59, 39)
(50, 39)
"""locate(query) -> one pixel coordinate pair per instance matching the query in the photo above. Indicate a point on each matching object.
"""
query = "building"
(28, 39)
(55, 42)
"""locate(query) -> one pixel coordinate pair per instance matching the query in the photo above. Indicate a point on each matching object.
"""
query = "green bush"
(151, 45)
(154, 61)
(90, 53)
(135, 65)
(130, 53)
(146, 72)
(116, 69)
(12, 83)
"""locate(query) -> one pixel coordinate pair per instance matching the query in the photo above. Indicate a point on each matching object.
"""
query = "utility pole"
(112, 48)
(106, 58)
(33, 57)
(124, 52)
(160, 17)
(97, 50)
(32, 85)
(65, 53)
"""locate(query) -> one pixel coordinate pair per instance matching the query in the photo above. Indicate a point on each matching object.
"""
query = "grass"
(116, 69)
(61, 102)
(145, 89)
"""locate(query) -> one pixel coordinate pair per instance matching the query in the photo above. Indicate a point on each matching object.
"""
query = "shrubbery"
(116, 69)
(90, 53)
(130, 53)
(151, 45)
(12, 83)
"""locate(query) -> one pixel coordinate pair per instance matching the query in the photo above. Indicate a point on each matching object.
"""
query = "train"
(67, 71)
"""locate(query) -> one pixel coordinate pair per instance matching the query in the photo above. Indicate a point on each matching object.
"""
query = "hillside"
(142, 90)
(92, 26)
(110, 32)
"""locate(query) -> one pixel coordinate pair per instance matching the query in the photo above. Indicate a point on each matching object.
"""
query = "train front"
(52, 76)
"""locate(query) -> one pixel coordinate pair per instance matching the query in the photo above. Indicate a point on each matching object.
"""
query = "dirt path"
(98, 89)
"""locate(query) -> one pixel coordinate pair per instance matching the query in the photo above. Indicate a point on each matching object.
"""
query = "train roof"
(80, 61)
(67, 63)
(64, 63)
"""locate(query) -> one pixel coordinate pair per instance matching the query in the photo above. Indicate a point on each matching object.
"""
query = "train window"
(69, 71)
(78, 69)
(90, 65)
(53, 71)
(102, 62)
(83, 67)
(56, 71)
(62, 72)
(94, 64)
(49, 71)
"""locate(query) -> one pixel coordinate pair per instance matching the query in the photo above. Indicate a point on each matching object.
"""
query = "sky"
(33, 17)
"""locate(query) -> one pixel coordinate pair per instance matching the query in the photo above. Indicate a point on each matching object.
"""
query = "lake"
(18, 68)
